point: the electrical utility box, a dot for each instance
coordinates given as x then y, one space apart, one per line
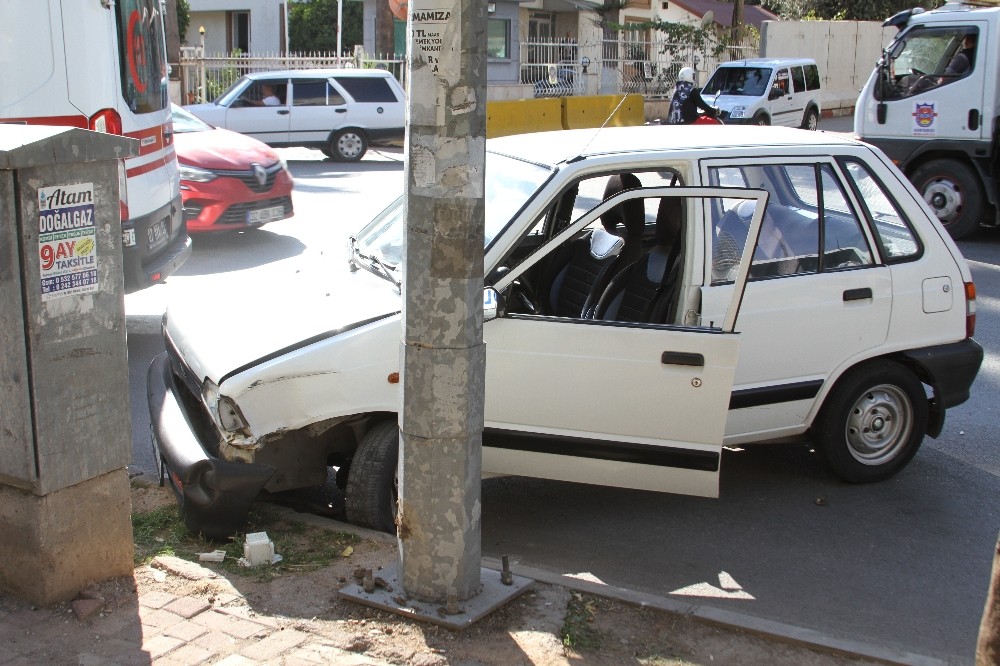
65 432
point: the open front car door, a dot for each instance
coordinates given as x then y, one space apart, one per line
633 393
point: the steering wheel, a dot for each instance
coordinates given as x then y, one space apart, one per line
521 290
918 72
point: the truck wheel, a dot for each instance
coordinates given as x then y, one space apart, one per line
371 494
349 145
951 189
873 422
811 120
760 119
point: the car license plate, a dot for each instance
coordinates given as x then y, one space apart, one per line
157 232
265 215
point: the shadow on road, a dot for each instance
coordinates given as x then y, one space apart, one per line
244 249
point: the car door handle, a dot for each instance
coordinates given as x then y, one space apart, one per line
858 294
282 112
683 358
340 110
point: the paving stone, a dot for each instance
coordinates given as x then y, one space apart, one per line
213 620
186 631
236 660
160 645
84 609
156 599
158 618
275 644
187 607
189 655
182 568
219 642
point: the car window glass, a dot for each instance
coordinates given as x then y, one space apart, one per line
798 80
310 92
781 81
800 211
263 93
367 88
745 81
895 236
812 77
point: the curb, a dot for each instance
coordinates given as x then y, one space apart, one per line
768 629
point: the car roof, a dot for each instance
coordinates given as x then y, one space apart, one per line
773 62
319 73
551 148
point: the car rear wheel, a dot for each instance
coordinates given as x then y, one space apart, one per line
811 120
951 189
372 483
349 145
873 422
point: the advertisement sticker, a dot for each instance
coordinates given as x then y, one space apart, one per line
67 240
924 119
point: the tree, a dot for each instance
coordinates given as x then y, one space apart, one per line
312 26
843 10
183 18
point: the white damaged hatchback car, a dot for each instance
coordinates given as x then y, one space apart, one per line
662 293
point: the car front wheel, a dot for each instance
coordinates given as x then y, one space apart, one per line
873 422
760 119
371 494
349 145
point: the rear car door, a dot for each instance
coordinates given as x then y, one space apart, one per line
784 109
630 404
820 307
376 104
318 108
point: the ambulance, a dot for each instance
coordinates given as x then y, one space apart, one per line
101 65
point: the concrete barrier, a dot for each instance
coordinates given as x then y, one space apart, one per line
522 116
582 112
556 113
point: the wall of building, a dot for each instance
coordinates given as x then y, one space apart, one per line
265 24
844 51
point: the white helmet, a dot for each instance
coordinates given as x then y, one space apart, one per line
686 74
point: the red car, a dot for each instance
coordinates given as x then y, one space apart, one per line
228 180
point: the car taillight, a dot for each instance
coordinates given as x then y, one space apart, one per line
107 121
970 309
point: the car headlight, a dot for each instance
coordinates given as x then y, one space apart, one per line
223 410
737 112
194 174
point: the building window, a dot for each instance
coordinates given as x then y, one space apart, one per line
498 38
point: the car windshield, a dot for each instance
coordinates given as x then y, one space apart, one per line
745 81
185 121
510 184
231 93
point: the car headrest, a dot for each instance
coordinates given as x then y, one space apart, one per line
669 220
629 214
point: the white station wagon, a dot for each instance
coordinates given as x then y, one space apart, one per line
656 294
339 111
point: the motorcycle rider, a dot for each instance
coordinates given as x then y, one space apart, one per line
687 104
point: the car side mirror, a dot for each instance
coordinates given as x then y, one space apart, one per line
775 93
491 304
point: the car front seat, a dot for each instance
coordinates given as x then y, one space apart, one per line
580 270
645 291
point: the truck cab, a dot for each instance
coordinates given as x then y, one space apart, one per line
931 104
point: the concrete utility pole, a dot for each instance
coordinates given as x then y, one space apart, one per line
443 355
988 646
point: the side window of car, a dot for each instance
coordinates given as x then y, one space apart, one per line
812 77
316 92
367 88
807 203
263 93
798 80
895 236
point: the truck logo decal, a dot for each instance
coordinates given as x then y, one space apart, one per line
924 119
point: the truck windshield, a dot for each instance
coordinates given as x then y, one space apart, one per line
744 81
510 184
142 53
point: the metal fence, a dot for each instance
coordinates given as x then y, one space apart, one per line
552 68
205 77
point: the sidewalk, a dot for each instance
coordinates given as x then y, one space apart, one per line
174 611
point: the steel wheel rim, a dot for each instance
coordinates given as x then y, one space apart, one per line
945 199
349 145
879 424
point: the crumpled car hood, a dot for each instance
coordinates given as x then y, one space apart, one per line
229 329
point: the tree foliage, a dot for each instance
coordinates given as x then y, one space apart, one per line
843 10
183 18
312 26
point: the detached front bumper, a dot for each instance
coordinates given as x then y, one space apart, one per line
214 494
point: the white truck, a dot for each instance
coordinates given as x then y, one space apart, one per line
932 106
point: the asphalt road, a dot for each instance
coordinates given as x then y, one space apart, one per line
903 563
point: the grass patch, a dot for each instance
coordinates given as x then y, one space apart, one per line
577 630
302 547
